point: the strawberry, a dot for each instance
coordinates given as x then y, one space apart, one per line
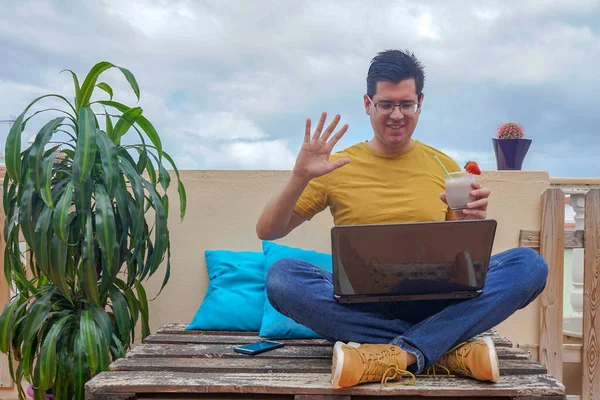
472 168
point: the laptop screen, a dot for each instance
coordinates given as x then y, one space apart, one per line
413 258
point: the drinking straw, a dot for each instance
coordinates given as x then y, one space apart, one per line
444 168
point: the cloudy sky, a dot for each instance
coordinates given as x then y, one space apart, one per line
228 84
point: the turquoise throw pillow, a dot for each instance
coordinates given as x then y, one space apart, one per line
235 297
274 324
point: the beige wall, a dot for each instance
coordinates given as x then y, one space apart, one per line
223 207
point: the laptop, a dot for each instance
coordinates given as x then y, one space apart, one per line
411 261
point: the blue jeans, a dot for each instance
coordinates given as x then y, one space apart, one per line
427 328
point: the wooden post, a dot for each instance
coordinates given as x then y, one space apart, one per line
5 380
552 243
591 297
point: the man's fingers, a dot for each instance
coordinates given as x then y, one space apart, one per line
331 127
307 131
317 134
338 135
475 214
443 197
481 193
478 204
339 163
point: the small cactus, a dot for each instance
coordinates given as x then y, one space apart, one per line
510 130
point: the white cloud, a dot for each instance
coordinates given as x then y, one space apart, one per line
223 76
217 126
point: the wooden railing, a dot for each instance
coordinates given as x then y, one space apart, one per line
551 240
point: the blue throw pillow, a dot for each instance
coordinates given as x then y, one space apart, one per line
274 324
235 297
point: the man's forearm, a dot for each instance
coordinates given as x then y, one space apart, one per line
277 214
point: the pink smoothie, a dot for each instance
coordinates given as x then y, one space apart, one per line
458 189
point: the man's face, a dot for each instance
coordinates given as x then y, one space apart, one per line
393 132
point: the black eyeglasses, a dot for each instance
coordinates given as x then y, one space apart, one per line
386 107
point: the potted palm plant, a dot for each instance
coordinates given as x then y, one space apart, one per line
510 146
93 213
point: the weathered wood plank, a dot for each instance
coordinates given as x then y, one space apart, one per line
305 383
215 396
268 365
226 351
591 297
181 328
552 249
111 396
177 338
200 335
531 238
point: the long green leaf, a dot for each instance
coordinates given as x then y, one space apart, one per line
46 189
7 320
89 280
41 243
143 300
160 233
87 88
103 351
104 86
168 269
58 266
26 211
75 82
180 187
89 338
127 119
80 368
110 162
60 220
146 126
85 152
106 234
12 152
48 357
132 81
121 313
37 151
102 321
38 314
109 125
60 390
163 177
83 199
142 160
118 350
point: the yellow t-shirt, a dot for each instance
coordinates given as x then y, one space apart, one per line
376 188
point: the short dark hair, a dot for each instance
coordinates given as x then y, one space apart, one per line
395 66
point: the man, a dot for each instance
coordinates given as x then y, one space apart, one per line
390 179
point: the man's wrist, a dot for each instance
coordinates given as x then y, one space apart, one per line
299 179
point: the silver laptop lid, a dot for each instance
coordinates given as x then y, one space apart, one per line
411 258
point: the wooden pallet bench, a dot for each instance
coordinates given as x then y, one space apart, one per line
179 364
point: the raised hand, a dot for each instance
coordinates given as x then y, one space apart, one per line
313 158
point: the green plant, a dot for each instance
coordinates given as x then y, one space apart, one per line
510 130
94 218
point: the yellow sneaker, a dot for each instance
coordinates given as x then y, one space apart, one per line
355 363
476 359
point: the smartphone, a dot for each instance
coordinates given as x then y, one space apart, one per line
257 347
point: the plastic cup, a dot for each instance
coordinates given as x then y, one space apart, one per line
458 189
